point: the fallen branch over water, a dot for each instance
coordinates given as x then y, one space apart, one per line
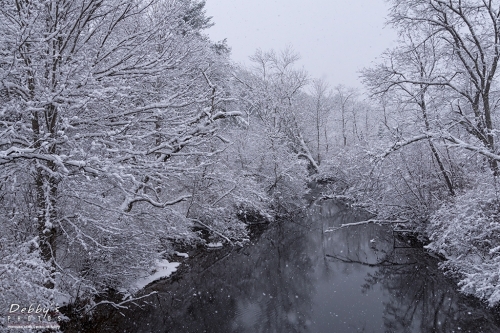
120 305
380 222
214 231
384 262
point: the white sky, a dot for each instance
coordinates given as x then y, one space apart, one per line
335 38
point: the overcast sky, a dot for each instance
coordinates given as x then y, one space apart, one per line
335 38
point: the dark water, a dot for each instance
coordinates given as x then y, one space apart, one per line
296 278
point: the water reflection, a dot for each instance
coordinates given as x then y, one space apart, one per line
421 299
297 278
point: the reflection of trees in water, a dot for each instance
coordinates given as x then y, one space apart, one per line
264 288
367 243
282 273
421 299
269 286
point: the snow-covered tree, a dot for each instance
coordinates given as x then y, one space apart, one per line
464 35
273 94
108 107
275 149
439 88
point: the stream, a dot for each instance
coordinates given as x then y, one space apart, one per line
297 278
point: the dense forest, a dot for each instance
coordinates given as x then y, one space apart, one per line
125 130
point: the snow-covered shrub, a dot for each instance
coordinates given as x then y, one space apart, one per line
467 232
404 185
23 275
271 176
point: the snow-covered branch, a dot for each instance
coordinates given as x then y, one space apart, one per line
129 202
371 221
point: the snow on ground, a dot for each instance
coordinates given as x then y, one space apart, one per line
163 269
214 245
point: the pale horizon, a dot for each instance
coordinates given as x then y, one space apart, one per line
335 39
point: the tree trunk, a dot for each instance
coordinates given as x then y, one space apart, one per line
46 193
423 107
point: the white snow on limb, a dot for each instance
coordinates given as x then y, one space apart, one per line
267 216
214 231
180 254
306 153
374 221
129 201
405 142
451 141
62 299
226 114
163 269
214 245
